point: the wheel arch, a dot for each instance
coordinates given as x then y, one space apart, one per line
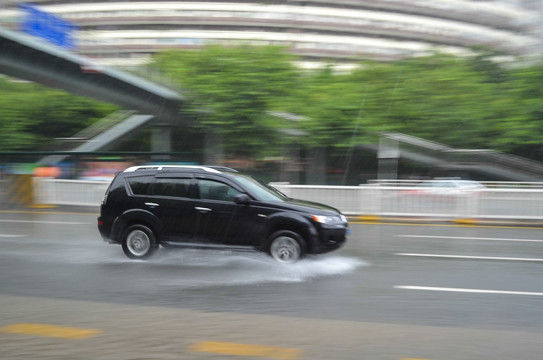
133 217
291 222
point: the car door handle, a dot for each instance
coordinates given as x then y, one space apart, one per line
203 209
150 204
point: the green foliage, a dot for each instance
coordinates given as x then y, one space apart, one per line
230 89
439 98
470 102
32 115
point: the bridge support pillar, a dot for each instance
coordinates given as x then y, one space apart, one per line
161 141
316 167
213 148
388 157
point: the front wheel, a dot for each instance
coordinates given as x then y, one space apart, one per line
139 242
286 246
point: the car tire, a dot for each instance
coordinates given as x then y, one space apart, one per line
139 242
286 246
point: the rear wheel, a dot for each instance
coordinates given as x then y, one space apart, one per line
139 242
286 246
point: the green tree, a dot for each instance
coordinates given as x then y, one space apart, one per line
32 115
230 89
439 97
520 128
471 102
463 102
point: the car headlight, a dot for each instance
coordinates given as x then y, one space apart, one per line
330 220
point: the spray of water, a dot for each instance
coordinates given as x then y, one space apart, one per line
223 268
198 268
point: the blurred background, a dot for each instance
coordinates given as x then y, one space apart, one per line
305 92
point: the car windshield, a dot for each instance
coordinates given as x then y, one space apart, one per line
260 190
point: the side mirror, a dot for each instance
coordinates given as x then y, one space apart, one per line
242 199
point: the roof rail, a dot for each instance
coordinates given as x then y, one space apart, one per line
221 168
212 169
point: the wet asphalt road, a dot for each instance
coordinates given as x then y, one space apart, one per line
429 291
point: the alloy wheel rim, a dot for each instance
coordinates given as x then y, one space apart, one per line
138 242
285 249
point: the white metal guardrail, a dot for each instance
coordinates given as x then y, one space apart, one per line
69 192
521 203
413 201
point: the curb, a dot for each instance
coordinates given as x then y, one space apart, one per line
42 206
454 221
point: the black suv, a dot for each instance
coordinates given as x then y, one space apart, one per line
213 207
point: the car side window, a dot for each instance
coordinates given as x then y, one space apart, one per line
139 184
176 187
216 190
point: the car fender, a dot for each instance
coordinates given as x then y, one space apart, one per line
294 222
133 216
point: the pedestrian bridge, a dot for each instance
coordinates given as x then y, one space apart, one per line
25 57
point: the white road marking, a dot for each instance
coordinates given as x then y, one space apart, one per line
475 291
469 257
46 222
468 238
11 236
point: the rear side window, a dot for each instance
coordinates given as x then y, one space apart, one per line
176 187
214 190
140 184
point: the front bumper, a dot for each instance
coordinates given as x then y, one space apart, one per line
331 239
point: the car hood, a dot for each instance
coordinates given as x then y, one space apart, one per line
309 207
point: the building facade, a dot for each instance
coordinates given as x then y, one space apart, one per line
128 33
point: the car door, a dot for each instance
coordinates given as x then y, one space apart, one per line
248 224
215 209
172 201
221 220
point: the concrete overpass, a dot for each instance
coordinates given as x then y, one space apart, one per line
25 57
447 161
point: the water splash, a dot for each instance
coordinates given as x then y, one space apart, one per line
190 268
223 269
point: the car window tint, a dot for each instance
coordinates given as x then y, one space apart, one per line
172 187
215 190
260 190
139 184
